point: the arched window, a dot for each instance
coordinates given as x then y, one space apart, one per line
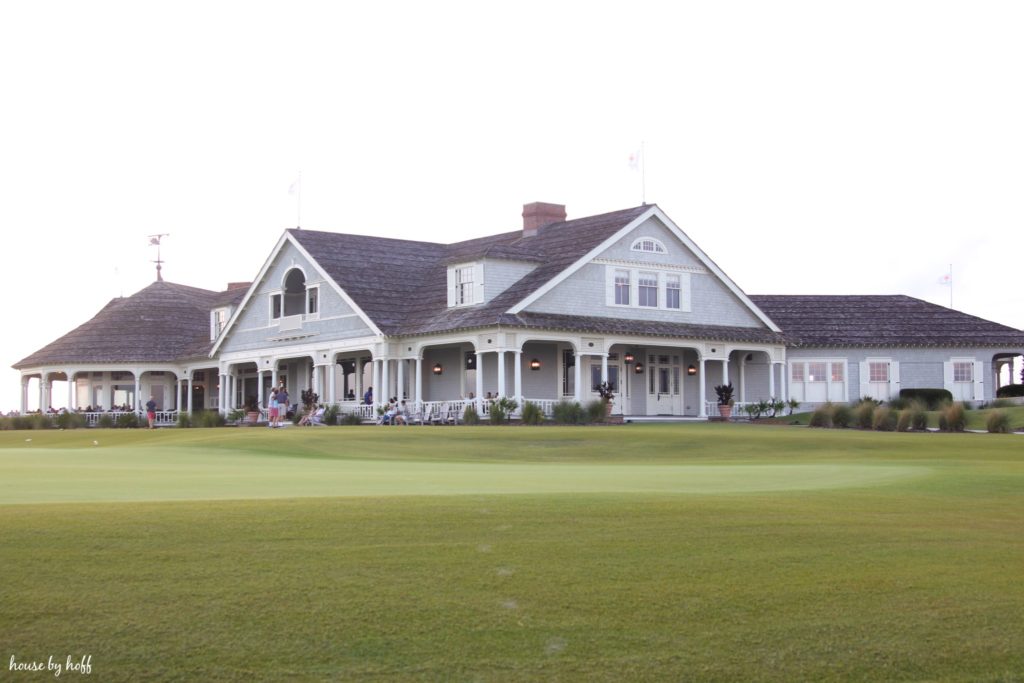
650 245
294 292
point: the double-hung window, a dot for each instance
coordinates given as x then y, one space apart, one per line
648 289
878 372
622 287
672 291
464 285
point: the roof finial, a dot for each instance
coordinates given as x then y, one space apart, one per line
154 240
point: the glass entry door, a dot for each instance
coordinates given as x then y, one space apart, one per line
664 389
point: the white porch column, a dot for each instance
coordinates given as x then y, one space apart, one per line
189 390
385 380
138 389
501 373
24 395
783 393
517 378
359 378
725 370
577 375
604 367
479 389
70 374
44 392
419 381
332 382
401 379
259 389
221 382
771 379
703 389
743 378
377 393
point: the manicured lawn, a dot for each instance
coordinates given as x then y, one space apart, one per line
656 552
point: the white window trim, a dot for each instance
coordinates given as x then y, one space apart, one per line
270 307
319 303
829 382
685 289
477 284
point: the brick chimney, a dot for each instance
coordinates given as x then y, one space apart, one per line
539 214
238 285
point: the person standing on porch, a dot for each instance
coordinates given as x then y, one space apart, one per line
272 408
282 403
151 412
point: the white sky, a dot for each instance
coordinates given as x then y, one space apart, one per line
808 147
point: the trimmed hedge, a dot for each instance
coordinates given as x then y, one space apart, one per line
1010 391
933 398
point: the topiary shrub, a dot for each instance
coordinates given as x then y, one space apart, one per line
933 398
999 422
884 420
1011 390
842 416
822 417
532 414
127 421
567 413
470 416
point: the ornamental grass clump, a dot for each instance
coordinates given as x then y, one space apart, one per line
350 419
953 418
532 414
842 416
822 416
567 413
905 421
999 422
918 416
884 420
470 416
864 414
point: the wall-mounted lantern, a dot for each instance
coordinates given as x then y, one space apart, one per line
438 369
691 370
535 364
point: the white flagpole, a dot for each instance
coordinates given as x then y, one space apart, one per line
298 210
951 285
643 174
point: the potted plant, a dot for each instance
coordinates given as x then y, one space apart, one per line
725 400
607 394
252 409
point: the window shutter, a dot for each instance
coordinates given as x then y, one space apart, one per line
609 285
865 386
947 377
894 378
478 283
451 287
979 381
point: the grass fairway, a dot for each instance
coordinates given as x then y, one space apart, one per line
656 552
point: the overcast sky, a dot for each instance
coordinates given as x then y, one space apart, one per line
807 147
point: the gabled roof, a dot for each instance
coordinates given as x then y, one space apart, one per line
164 322
401 284
875 321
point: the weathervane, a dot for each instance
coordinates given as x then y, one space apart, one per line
154 240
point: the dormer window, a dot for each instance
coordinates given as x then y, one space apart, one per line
649 245
465 284
218 321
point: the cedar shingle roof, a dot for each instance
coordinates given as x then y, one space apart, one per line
162 323
401 284
875 321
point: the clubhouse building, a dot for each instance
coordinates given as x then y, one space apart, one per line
541 314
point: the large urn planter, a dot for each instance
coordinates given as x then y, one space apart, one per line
725 411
